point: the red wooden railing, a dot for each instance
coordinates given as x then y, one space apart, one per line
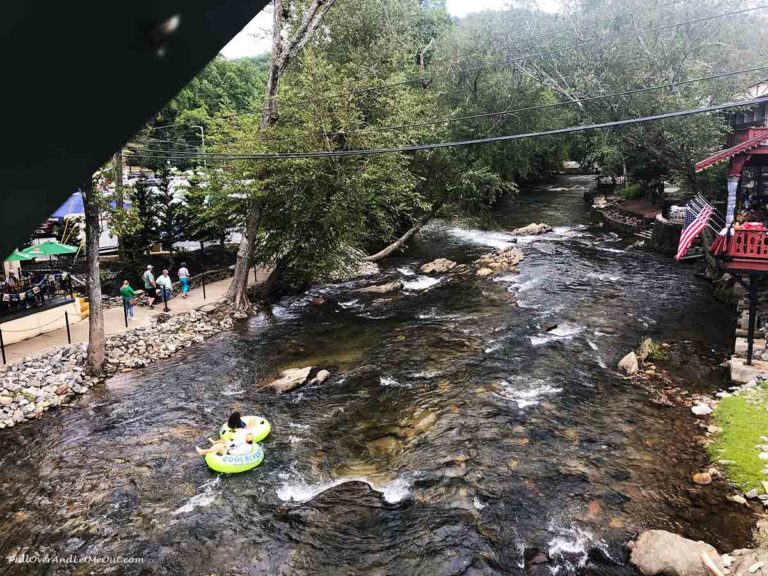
748 244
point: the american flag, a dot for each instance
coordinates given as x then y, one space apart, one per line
695 221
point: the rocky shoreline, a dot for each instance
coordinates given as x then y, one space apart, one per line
52 378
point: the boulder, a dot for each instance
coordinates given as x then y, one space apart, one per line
512 256
644 349
628 365
661 552
290 379
439 266
532 229
320 377
702 478
701 409
382 288
483 272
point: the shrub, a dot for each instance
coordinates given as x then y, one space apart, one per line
630 192
656 351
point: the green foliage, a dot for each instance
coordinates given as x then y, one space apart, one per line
656 351
630 192
137 227
744 420
207 212
170 211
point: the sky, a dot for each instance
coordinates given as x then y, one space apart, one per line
255 37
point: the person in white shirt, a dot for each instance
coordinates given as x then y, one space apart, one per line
184 279
166 285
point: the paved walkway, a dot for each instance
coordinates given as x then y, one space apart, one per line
114 321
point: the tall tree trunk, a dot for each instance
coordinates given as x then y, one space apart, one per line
400 242
238 288
96 339
283 53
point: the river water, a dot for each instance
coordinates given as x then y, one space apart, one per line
455 436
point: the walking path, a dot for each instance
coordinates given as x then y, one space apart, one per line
114 320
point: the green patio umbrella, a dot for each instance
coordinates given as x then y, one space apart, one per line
49 248
17 256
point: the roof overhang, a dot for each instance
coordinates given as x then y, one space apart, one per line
757 137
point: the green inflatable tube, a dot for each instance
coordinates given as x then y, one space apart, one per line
256 426
234 464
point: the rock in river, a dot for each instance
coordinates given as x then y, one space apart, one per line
439 266
320 377
290 379
382 288
661 552
532 229
628 365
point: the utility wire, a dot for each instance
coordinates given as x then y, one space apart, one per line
447 120
556 104
489 139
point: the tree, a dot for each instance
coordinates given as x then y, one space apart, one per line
144 208
96 339
284 52
207 215
170 211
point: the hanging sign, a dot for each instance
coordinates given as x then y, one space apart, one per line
733 184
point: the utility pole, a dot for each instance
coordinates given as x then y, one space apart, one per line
119 196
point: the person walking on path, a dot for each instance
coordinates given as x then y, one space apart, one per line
184 279
166 285
128 297
150 286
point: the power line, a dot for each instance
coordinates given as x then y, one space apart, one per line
446 120
489 139
556 104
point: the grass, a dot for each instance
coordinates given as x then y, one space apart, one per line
630 192
743 419
657 352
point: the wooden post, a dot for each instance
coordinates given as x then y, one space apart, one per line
2 347
202 264
752 316
66 321
125 311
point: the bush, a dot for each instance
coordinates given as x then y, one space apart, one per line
630 192
657 352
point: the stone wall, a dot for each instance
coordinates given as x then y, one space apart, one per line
619 221
665 236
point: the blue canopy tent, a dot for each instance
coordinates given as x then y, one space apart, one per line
74 206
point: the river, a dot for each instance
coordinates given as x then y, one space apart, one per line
455 436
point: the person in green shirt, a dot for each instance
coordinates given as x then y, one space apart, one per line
128 297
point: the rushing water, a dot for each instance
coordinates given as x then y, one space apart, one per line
455 434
